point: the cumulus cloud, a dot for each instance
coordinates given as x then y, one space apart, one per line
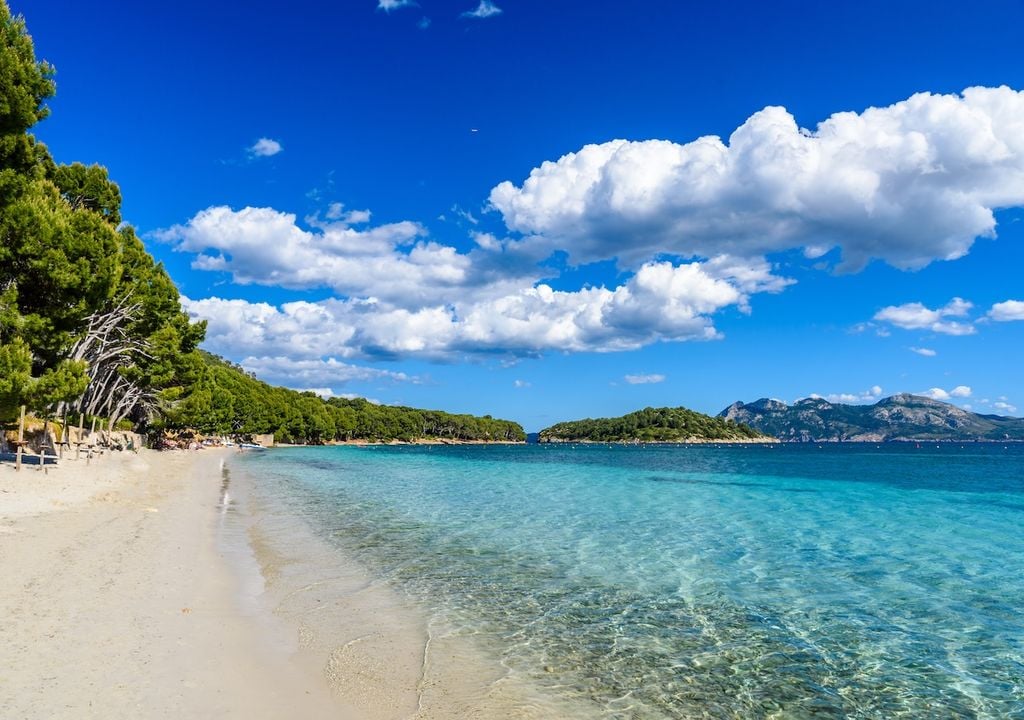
936 393
266 247
908 184
325 393
485 9
317 371
521 384
1007 311
644 379
1004 406
871 395
694 227
661 301
915 316
265 147
399 293
927 352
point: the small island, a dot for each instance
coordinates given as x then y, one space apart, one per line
654 425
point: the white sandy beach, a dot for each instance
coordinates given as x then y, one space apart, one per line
116 603
131 589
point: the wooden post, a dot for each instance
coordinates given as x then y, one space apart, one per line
42 446
81 420
21 438
65 435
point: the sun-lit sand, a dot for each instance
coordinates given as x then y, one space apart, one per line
116 602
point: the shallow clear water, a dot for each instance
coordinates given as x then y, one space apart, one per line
782 581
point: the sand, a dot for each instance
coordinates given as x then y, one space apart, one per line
116 601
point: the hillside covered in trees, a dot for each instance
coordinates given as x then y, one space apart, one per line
91 325
653 425
227 400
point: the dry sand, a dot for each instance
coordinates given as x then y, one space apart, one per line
116 603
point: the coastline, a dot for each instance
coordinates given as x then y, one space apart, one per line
158 585
381 653
389 443
767 440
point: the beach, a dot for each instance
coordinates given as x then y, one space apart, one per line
149 586
381 583
117 601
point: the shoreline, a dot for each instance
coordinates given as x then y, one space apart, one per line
390 443
640 443
159 585
382 653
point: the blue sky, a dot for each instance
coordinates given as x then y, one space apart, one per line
551 210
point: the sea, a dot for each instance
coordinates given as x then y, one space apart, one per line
743 581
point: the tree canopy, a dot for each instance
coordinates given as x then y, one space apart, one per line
226 400
666 424
87 318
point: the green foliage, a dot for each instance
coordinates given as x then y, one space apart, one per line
15 376
89 188
25 85
650 425
64 259
226 400
62 383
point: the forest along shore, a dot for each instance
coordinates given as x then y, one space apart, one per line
117 601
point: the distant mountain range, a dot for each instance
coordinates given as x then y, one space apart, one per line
900 417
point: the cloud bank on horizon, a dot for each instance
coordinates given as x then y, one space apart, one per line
693 227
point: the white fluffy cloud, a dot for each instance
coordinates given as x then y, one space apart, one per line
1004 406
265 147
661 301
936 393
1007 311
485 9
389 5
915 316
317 372
927 352
262 246
872 394
693 227
644 379
398 293
909 183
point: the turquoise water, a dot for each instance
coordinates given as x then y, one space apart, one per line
784 581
